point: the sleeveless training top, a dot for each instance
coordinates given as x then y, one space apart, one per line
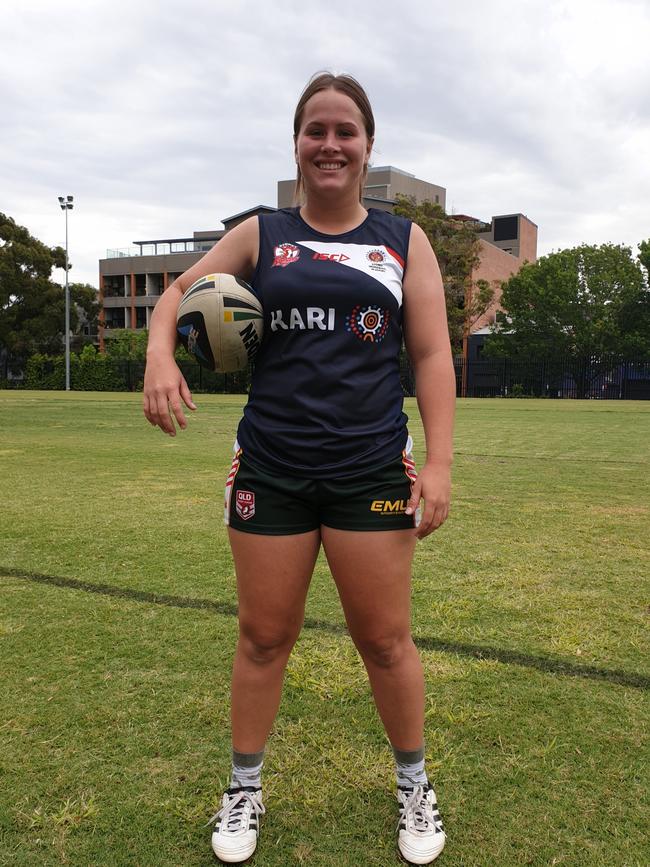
326 398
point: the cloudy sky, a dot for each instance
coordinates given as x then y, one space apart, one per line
164 117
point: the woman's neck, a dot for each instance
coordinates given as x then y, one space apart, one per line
334 217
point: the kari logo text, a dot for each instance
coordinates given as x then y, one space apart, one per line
245 504
303 319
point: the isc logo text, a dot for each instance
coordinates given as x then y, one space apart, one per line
331 257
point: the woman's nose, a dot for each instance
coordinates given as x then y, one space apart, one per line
329 142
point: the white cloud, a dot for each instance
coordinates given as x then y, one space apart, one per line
164 118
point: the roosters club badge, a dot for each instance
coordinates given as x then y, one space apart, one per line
285 254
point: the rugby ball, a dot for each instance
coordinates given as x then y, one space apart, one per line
220 322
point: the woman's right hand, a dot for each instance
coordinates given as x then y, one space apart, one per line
164 388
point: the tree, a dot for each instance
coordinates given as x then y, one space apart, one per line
32 306
644 256
457 249
127 345
586 302
84 313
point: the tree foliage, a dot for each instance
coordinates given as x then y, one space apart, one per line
32 305
576 303
457 249
644 256
126 345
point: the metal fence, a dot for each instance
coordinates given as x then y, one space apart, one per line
589 378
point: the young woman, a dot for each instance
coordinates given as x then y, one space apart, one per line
323 447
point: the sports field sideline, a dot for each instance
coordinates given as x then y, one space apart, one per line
117 627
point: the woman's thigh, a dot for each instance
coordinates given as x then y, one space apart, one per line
273 576
372 571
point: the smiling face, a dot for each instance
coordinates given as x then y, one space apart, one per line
332 147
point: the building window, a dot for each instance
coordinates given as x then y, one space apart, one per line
505 228
114 286
114 318
156 284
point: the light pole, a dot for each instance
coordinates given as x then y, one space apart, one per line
66 205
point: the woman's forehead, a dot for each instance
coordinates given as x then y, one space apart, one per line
330 105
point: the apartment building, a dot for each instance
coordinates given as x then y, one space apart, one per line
132 280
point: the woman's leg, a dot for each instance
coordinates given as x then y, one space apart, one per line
372 571
273 575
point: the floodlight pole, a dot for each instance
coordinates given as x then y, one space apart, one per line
67 205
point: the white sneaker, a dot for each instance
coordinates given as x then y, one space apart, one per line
421 837
237 824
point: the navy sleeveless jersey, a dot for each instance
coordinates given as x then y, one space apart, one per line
326 398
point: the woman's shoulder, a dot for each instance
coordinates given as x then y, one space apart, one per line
389 229
280 215
387 218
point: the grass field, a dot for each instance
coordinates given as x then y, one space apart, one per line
117 627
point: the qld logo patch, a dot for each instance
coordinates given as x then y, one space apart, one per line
368 323
245 504
284 255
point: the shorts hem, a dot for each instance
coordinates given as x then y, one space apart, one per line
261 530
366 528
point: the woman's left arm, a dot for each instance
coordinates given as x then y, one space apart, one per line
427 343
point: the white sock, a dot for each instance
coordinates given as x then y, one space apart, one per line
246 770
409 768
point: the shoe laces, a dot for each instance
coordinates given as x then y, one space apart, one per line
235 812
416 811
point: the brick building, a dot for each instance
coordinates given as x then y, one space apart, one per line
132 280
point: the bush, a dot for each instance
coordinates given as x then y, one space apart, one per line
93 371
89 371
45 372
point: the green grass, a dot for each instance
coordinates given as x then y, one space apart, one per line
117 629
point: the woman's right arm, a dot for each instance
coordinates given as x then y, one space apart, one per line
165 389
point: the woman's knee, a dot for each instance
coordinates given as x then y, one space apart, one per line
264 645
385 650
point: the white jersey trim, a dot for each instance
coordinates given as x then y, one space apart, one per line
376 260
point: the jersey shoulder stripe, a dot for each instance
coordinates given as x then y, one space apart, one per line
375 260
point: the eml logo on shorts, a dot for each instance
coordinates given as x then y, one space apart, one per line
245 504
388 506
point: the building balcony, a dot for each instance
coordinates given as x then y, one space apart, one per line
128 301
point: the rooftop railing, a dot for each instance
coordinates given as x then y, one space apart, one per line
160 248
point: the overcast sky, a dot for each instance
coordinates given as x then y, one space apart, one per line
164 117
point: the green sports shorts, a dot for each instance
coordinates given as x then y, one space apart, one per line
272 504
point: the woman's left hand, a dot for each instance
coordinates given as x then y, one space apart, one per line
433 485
